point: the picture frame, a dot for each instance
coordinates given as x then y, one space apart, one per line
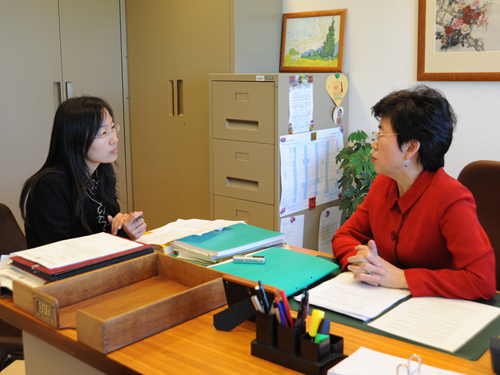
313 41
456 41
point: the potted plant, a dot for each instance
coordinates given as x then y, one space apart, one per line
358 171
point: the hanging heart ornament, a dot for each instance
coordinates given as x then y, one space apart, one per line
336 86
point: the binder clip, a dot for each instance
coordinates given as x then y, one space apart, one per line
409 370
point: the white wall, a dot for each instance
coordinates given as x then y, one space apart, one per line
381 56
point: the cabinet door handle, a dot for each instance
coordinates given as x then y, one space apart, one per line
56 89
172 98
69 90
180 97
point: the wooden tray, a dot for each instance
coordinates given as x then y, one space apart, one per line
118 305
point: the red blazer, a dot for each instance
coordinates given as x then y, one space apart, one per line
432 232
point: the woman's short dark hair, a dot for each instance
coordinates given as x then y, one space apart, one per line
76 123
423 114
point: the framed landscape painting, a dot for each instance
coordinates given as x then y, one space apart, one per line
313 41
458 40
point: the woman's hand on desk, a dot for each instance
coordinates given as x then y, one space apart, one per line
369 267
133 224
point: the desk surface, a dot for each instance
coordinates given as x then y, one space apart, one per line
196 347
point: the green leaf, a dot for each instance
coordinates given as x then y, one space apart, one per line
359 168
345 203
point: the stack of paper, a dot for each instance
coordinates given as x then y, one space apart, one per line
347 296
74 256
236 239
439 322
8 274
365 361
183 228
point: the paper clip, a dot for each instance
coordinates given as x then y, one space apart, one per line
409 371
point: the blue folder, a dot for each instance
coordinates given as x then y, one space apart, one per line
287 270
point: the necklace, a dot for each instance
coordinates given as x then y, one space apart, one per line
101 210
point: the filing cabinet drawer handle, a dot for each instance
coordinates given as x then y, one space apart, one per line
239 183
247 125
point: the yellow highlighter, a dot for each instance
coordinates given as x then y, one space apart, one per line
316 318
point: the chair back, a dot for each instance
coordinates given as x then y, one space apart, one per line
12 237
482 178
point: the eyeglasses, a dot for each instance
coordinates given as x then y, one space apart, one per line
377 135
105 133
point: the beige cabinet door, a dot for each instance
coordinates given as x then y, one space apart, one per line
30 62
153 109
170 55
202 46
92 62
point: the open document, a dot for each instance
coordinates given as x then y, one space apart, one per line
365 361
183 228
439 322
347 296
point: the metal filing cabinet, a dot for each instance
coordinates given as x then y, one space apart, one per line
248 113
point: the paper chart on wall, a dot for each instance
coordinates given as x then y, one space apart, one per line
300 96
308 169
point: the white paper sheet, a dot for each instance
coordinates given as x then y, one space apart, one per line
293 228
365 361
9 273
308 169
347 296
183 228
76 250
439 322
329 222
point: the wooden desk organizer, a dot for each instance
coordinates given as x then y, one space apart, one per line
115 306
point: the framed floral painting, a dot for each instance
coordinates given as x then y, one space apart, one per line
313 41
458 40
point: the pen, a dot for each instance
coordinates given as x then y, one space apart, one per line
138 218
286 307
303 308
260 296
317 316
256 304
282 315
264 297
277 312
323 331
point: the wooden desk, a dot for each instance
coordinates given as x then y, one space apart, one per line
196 347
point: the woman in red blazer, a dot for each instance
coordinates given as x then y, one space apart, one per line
417 228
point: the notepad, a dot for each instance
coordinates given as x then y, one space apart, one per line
347 296
236 239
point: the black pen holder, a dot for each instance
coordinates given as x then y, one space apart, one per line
291 347
266 327
289 338
317 352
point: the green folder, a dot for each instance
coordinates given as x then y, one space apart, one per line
284 269
234 239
